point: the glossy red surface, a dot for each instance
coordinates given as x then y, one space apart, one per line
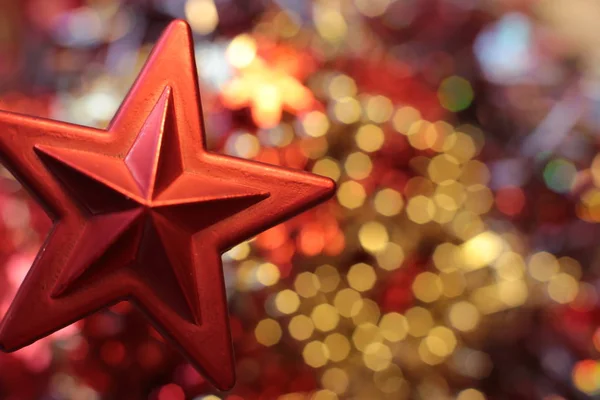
142 212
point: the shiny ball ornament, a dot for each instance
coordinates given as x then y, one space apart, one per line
142 212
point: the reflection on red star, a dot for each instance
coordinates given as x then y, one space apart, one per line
142 212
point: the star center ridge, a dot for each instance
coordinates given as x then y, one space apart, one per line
142 210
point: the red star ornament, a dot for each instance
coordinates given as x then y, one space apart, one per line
142 212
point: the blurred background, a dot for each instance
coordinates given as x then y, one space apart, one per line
458 259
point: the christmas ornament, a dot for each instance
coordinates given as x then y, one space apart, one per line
141 212
269 83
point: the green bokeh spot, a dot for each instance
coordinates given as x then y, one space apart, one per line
560 175
455 93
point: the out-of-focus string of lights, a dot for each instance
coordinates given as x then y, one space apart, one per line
457 259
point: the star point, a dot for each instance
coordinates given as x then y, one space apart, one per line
157 137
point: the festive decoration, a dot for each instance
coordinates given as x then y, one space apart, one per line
267 89
142 211
457 259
